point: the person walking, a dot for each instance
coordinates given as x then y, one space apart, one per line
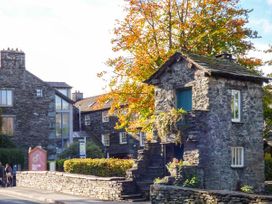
1 174
9 176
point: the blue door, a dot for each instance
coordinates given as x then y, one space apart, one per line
184 99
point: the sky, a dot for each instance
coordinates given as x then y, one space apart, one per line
69 40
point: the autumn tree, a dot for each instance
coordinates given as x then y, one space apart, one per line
153 30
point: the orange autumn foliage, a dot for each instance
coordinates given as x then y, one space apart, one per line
153 30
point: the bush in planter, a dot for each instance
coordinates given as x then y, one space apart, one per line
59 164
5 142
98 167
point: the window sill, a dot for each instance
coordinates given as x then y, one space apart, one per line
237 167
237 122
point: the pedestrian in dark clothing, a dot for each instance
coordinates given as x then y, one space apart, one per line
9 176
1 174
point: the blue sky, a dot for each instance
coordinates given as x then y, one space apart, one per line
69 40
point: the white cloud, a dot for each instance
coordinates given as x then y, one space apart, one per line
64 40
264 24
269 2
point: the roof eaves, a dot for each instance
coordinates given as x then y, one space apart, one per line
64 97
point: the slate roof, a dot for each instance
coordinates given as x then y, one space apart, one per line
212 66
58 84
91 104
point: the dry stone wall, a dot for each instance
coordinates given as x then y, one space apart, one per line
173 194
90 186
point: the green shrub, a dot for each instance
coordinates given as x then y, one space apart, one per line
268 166
5 142
92 151
161 180
11 156
60 164
191 182
247 189
98 167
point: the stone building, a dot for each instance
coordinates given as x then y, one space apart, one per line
223 127
100 128
33 111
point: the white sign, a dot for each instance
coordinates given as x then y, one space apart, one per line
82 148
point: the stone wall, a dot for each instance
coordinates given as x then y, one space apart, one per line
208 131
90 186
173 194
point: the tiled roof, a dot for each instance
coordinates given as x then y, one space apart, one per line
213 66
91 104
59 84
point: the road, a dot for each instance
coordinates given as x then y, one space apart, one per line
4 199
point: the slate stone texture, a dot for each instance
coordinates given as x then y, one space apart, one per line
210 132
34 117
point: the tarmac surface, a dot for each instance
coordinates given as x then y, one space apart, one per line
20 195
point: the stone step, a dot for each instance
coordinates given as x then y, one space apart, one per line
138 197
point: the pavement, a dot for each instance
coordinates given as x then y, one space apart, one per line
42 196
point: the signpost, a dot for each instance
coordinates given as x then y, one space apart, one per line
82 147
37 159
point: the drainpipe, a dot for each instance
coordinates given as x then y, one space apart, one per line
79 118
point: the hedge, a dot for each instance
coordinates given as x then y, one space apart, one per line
59 164
11 156
268 167
98 167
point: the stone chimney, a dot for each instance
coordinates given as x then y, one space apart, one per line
12 59
226 56
76 96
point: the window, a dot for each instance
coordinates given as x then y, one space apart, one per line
62 125
105 117
105 139
235 106
39 92
184 99
64 92
61 104
142 139
237 157
6 97
123 138
87 120
7 125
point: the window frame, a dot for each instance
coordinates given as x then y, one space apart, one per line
237 157
105 116
123 138
13 124
142 137
233 98
105 141
177 90
87 120
39 92
6 105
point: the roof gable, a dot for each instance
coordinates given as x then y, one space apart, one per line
212 66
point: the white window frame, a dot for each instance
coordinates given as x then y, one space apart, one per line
237 157
142 139
6 104
236 104
105 139
105 117
12 131
87 120
122 137
39 92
